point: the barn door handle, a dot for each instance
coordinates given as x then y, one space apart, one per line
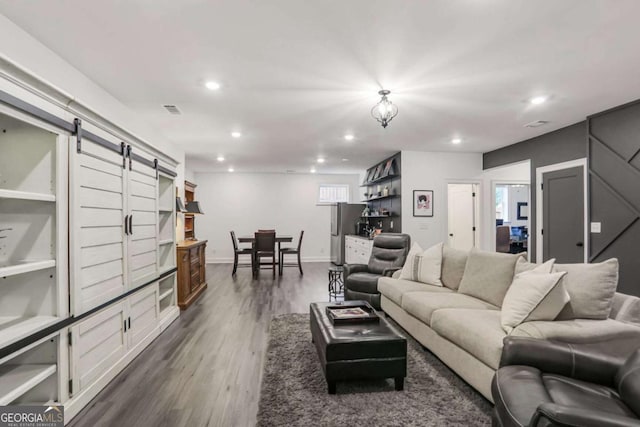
579 244
126 224
131 224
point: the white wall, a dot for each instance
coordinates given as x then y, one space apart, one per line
433 171
517 194
517 173
247 202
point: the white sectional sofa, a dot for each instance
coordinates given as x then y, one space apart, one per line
462 326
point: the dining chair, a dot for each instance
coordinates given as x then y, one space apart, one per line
237 251
292 251
264 247
503 238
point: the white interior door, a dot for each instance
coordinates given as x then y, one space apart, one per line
462 216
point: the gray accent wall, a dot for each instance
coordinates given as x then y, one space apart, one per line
554 147
614 182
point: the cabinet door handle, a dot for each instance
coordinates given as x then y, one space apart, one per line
131 224
125 325
126 224
129 321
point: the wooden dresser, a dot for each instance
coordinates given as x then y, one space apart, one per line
191 271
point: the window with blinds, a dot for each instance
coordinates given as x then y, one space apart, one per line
333 193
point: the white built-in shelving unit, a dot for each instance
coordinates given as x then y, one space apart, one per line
33 215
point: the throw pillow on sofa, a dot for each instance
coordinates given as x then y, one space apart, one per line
523 265
591 288
423 266
453 264
536 294
488 275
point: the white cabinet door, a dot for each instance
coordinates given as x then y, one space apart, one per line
97 344
349 250
142 320
98 201
143 233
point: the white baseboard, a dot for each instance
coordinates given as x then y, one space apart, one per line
304 259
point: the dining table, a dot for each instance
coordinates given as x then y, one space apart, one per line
280 238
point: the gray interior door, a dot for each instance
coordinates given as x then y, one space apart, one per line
563 215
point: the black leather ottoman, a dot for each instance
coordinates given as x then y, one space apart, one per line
357 351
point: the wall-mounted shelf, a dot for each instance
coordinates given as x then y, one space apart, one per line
373 199
379 180
166 242
165 210
26 195
19 379
11 269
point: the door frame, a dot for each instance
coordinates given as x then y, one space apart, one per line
540 201
493 232
477 208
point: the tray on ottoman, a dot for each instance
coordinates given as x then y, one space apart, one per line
357 351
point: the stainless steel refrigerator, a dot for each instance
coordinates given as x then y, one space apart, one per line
344 217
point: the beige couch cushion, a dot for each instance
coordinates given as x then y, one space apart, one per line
536 294
423 265
453 263
422 305
478 332
625 308
591 288
488 275
577 330
395 288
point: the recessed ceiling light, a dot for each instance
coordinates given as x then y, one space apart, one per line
231 169
321 160
345 160
312 170
211 85
456 140
537 100
236 134
349 137
220 158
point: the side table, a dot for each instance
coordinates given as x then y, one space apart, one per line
336 285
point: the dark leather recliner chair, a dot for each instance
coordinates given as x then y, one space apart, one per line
388 255
544 383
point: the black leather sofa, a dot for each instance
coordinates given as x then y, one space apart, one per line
544 383
387 256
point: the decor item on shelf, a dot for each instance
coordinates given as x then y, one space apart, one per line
365 212
379 192
194 208
388 168
384 111
378 172
180 206
422 202
385 191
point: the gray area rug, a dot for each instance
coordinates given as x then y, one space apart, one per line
294 391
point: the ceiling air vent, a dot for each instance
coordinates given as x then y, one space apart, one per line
536 124
290 171
172 109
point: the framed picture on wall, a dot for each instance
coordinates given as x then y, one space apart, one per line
422 202
523 210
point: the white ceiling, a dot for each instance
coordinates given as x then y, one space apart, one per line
298 75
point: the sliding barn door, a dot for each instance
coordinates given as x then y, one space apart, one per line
98 206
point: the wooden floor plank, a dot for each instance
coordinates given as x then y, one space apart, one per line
206 368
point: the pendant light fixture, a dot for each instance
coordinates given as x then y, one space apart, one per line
384 111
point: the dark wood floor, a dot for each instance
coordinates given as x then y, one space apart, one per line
206 368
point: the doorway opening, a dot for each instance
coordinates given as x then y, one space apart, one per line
511 230
462 215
